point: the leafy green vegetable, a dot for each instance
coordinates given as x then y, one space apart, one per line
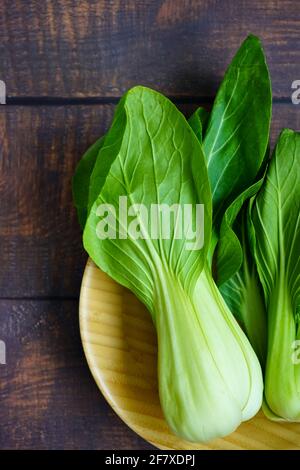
152 167
198 122
81 180
209 377
236 139
152 156
276 243
232 236
236 147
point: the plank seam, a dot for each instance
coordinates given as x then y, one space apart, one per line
40 298
95 100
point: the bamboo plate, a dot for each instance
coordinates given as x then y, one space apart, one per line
120 345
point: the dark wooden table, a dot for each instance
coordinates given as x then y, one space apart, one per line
65 64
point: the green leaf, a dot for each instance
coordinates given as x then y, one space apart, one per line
92 169
229 252
238 130
86 175
162 150
110 148
81 180
275 220
198 122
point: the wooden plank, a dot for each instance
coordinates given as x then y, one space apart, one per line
40 239
47 394
40 242
101 48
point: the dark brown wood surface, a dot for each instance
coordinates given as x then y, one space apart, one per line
48 399
100 48
65 64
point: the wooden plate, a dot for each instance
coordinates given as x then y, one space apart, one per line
119 341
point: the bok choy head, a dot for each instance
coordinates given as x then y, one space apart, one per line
275 218
152 163
235 140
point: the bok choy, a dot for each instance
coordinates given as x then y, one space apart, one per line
209 376
226 261
275 219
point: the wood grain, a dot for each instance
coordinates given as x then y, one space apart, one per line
101 47
40 241
120 345
47 396
65 51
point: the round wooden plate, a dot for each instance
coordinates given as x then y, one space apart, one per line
119 341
